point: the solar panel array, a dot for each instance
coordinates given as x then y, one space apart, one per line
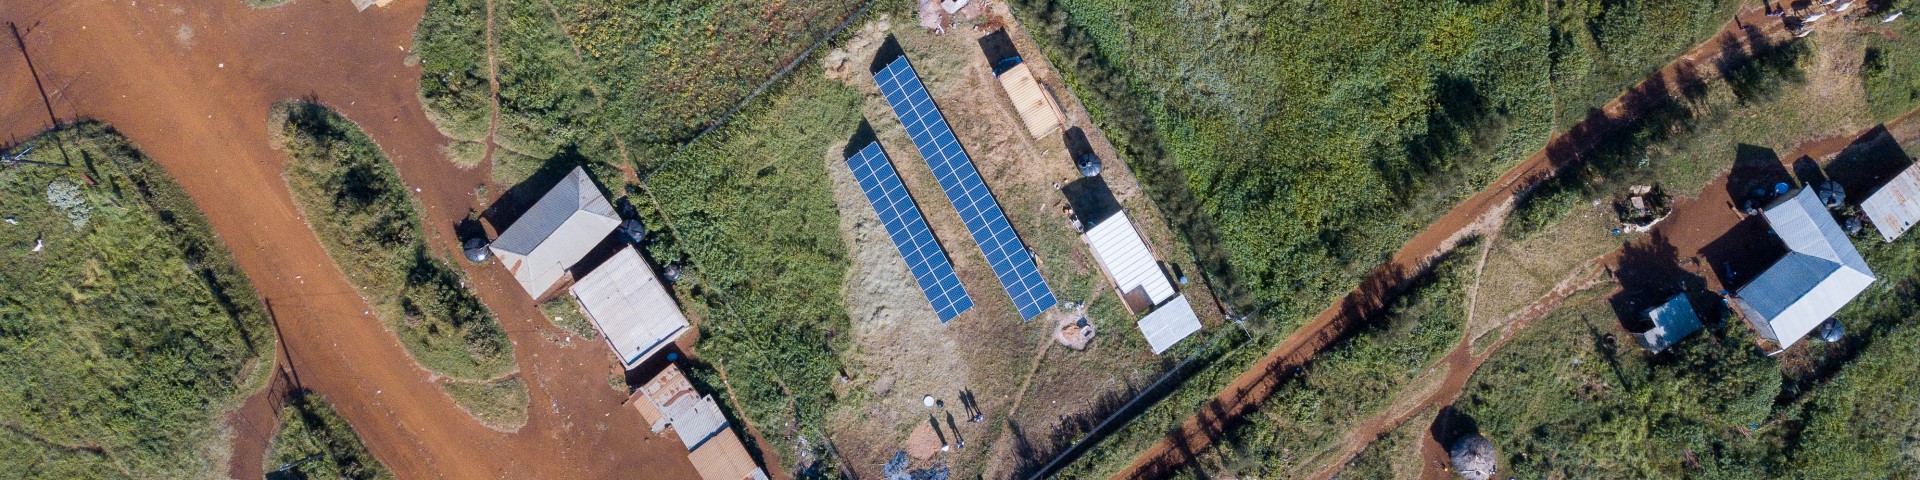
909 231
1009 257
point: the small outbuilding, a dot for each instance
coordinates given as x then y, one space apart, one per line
1123 255
1821 273
1038 109
1895 207
1169 324
361 5
1672 321
669 401
1472 457
557 232
630 306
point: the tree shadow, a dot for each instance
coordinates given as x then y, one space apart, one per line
1756 172
1650 272
1450 425
1743 252
1756 66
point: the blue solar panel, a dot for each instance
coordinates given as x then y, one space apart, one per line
1011 261
909 231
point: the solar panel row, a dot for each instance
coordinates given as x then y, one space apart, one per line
909 231
1011 261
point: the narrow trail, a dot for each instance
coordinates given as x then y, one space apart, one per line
1182 445
493 83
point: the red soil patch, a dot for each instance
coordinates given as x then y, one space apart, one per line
199 108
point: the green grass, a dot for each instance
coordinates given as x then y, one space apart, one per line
664 70
1891 69
363 215
500 404
127 337
1304 420
776 323
1296 146
314 442
1394 455
566 313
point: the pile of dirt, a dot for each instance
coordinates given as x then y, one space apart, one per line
1073 330
923 442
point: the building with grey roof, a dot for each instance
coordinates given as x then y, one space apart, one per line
557 232
1820 273
1672 321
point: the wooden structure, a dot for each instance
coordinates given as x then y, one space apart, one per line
669 401
1039 111
1895 207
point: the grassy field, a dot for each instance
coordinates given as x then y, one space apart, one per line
314 442
1394 455
500 404
1372 119
581 78
363 215
773 293
124 339
566 313
1891 68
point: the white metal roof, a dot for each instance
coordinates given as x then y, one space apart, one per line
1820 274
560 229
630 306
1896 206
1128 262
1169 324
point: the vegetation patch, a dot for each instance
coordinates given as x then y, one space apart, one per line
125 332
501 404
566 313
314 442
370 225
775 316
579 76
1891 69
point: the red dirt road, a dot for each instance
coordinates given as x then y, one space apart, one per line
1473 215
191 84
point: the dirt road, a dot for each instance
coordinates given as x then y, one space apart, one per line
1483 210
191 84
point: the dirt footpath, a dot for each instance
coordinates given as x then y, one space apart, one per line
1477 214
191 84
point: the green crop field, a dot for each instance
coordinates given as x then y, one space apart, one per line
370 225
314 442
131 331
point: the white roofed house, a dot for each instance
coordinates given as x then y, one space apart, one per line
559 230
626 301
1136 275
1821 272
1895 207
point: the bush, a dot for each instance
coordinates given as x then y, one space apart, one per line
128 335
369 224
314 442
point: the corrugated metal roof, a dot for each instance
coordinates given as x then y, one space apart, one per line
1036 106
724 458
631 307
1820 274
694 417
1128 261
556 232
1169 324
1896 206
1672 321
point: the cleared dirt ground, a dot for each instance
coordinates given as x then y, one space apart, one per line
1035 392
197 103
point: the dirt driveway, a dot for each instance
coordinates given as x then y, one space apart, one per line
191 83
